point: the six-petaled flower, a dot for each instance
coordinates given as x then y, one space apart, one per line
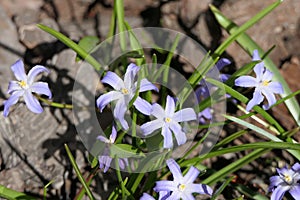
25 86
287 180
169 120
203 91
105 158
264 86
182 187
124 92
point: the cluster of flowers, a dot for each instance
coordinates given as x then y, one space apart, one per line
167 119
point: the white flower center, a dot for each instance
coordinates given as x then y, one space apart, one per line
124 91
265 83
288 179
23 84
168 119
181 187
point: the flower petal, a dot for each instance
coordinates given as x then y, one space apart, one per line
222 63
34 72
270 98
278 193
267 76
13 86
257 99
123 162
13 99
255 55
158 111
168 139
259 70
103 139
119 113
224 77
131 72
41 88
105 162
179 134
105 99
151 126
170 106
187 196
113 80
296 167
165 186
113 134
19 71
191 175
246 81
275 87
175 169
274 181
200 189
146 197
295 191
206 113
186 114
32 103
146 85
143 106
163 195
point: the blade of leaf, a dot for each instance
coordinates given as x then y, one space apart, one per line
12 194
88 43
64 39
79 175
249 45
261 132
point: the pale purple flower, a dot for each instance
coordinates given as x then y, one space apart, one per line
169 120
163 195
264 86
105 159
25 86
202 92
124 92
182 187
204 115
288 180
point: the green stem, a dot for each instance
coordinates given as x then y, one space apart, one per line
54 104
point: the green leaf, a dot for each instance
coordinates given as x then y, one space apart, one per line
79 175
221 188
13 195
242 28
244 99
263 133
68 42
125 151
249 45
249 193
88 43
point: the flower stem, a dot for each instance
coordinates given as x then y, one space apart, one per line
54 104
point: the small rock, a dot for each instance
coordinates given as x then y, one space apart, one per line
31 35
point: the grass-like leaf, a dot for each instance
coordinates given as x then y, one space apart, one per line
249 45
13 195
68 42
79 175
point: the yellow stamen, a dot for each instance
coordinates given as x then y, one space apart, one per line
288 178
168 119
22 83
181 187
124 91
265 83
